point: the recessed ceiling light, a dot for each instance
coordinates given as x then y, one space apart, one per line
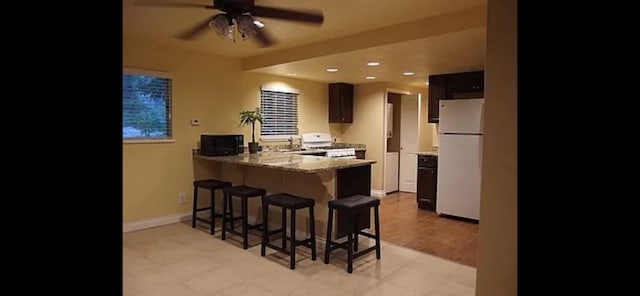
332 69
292 74
408 73
373 64
427 83
258 24
370 77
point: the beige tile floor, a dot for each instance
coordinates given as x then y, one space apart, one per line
176 259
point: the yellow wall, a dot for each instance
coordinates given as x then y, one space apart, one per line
154 174
497 271
213 89
313 102
369 107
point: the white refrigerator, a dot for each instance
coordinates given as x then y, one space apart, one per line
460 158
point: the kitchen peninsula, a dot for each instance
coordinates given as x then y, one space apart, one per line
316 177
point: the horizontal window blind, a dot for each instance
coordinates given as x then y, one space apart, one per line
146 106
280 113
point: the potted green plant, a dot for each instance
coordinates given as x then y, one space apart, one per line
250 118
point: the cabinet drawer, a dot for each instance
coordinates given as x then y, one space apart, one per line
427 161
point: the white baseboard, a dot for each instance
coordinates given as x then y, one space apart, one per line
378 193
186 216
153 222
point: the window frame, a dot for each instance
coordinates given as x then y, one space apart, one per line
280 138
161 74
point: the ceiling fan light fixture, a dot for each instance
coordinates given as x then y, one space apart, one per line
246 26
222 25
258 24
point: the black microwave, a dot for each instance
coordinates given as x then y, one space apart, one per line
219 145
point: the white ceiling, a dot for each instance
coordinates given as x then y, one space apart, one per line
344 21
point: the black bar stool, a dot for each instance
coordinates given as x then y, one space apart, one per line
352 205
212 185
244 192
293 203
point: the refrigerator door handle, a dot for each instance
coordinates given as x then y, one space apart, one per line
480 156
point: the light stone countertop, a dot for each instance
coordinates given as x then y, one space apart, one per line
313 151
432 153
289 161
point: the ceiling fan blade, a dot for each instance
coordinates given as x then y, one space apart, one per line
196 30
163 3
262 36
312 17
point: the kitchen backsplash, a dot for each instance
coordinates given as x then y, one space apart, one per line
297 146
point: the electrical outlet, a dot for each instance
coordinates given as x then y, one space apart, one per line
182 198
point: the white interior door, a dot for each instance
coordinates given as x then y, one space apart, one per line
408 142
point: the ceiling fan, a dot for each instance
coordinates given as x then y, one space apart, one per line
242 13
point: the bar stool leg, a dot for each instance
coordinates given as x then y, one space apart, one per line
355 231
293 243
231 213
284 228
265 228
245 233
327 249
312 224
213 211
262 205
350 243
224 217
195 206
377 225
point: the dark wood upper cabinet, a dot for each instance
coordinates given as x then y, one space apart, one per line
464 85
340 103
437 92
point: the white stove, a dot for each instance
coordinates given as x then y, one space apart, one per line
309 141
342 153
322 142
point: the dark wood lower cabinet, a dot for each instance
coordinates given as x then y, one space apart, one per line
353 181
427 182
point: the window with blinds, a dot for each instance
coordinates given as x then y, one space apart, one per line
146 105
279 110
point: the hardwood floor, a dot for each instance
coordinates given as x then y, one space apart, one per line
402 223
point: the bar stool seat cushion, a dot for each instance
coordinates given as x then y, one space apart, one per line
211 184
354 202
289 201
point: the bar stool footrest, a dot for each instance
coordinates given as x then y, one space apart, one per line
369 235
280 249
363 252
